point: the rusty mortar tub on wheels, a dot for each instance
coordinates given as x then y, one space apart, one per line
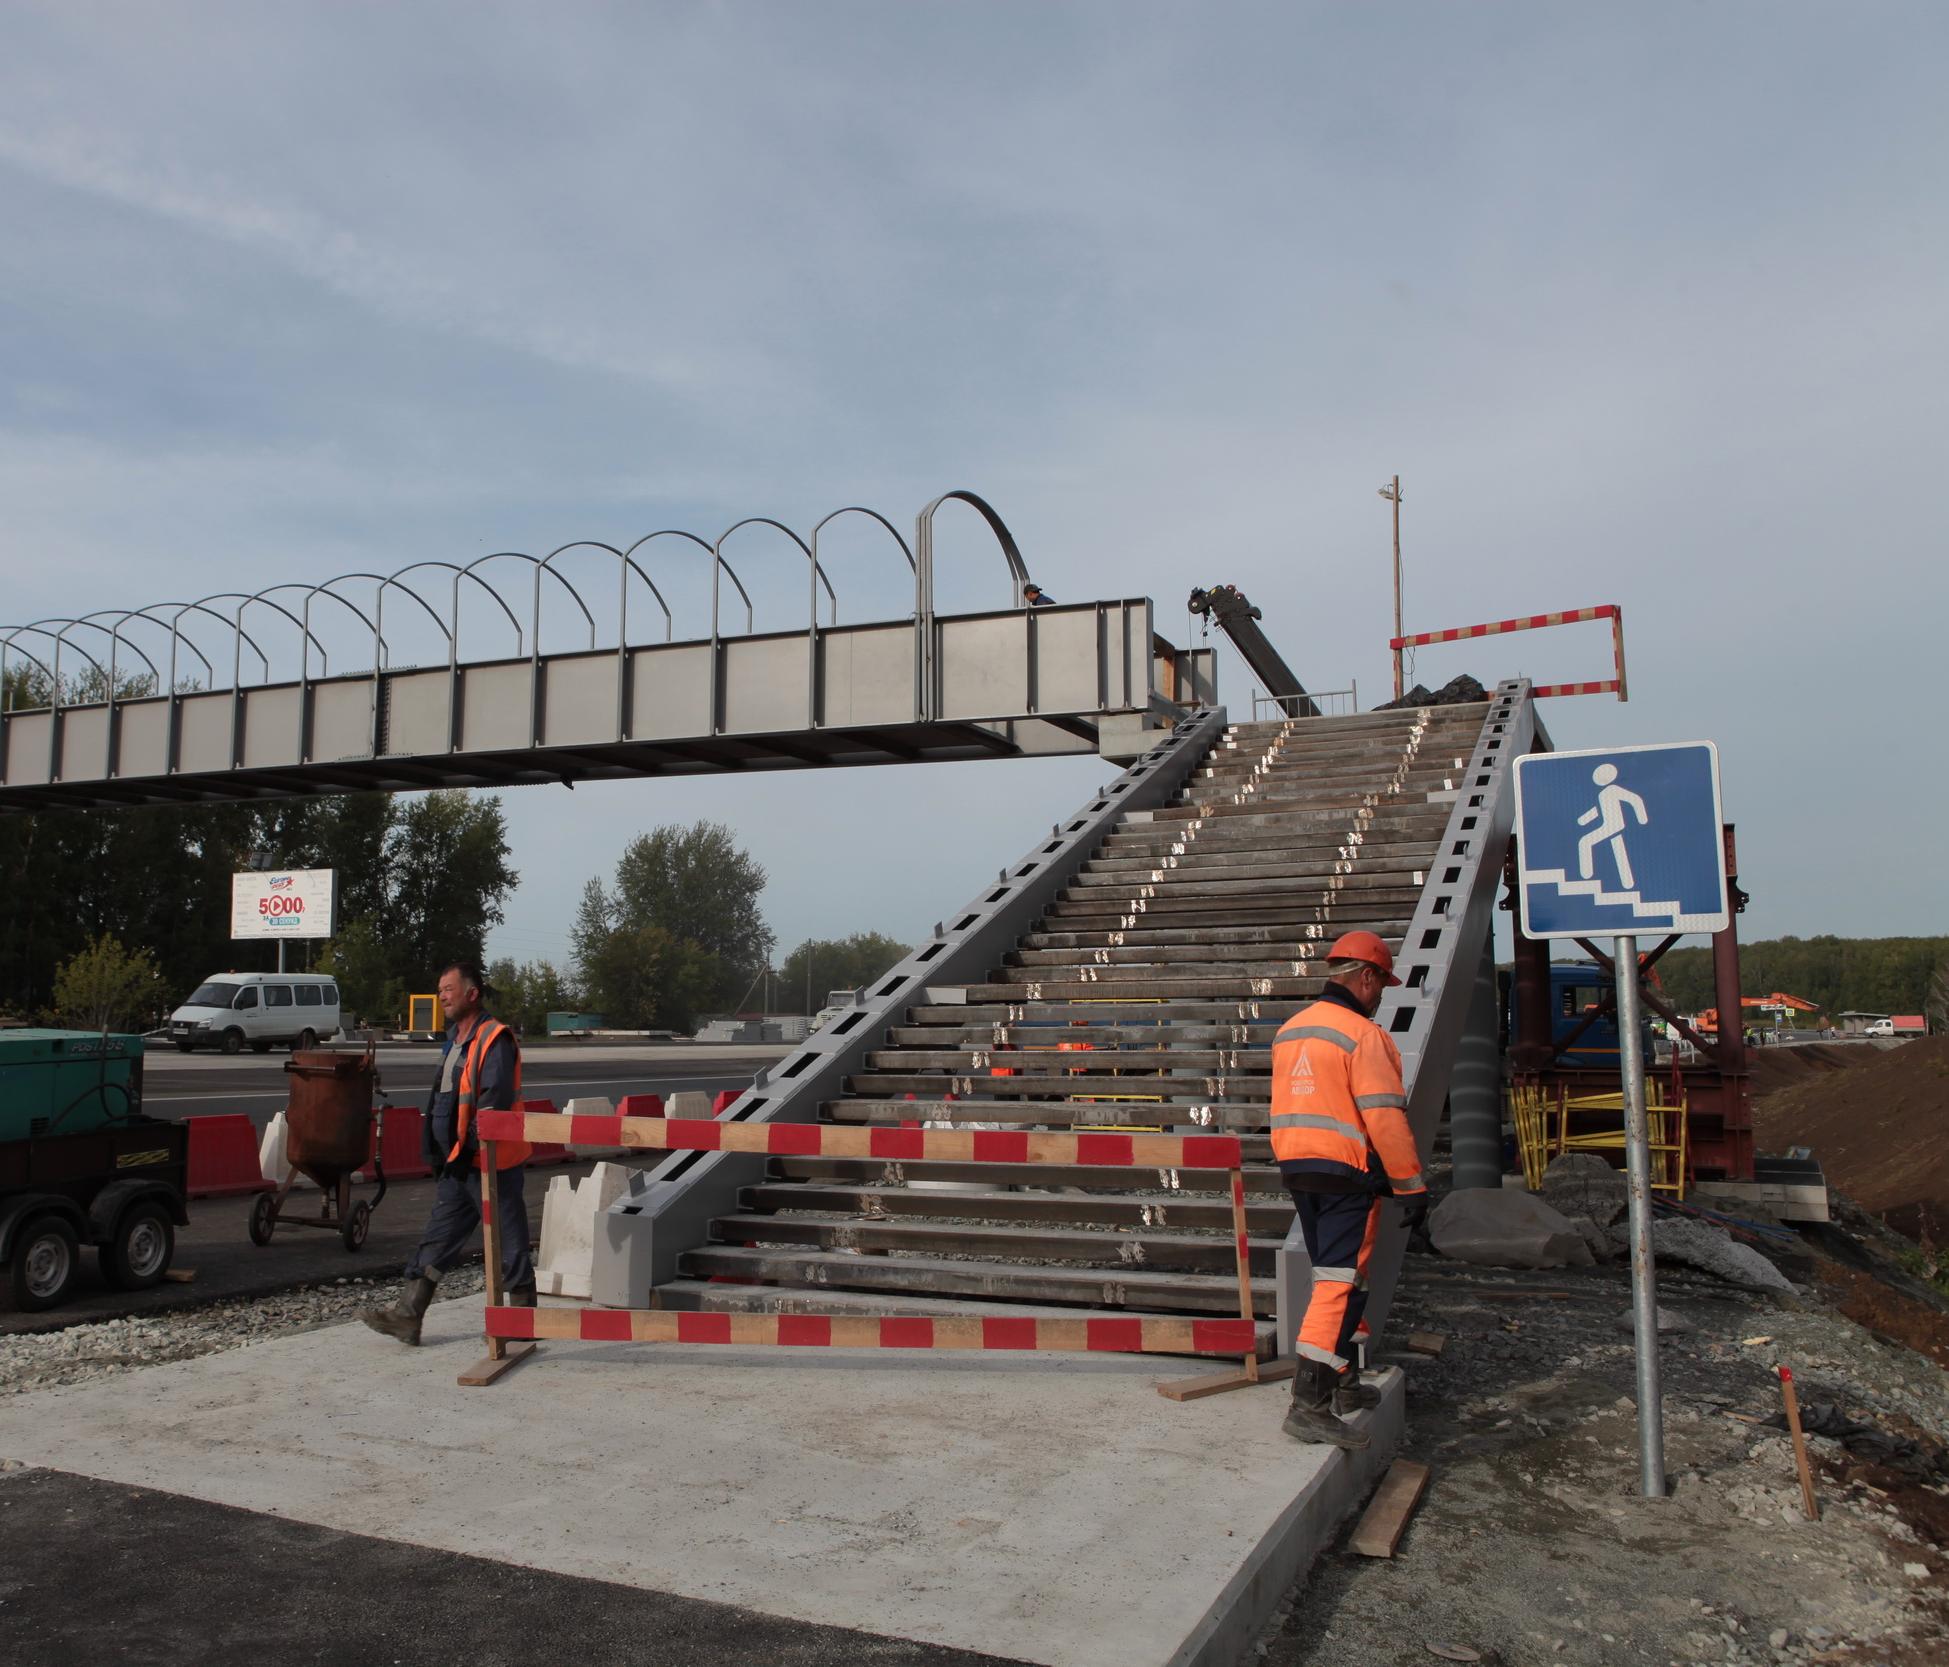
333 1132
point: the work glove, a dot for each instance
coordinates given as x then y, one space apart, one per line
1414 1212
463 1165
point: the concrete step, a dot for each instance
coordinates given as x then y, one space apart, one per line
1209 1212
1158 1292
1040 1079
1236 1115
1085 1057
1259 1178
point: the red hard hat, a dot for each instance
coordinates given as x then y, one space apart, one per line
1364 946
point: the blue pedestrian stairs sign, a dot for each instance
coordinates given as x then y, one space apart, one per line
1620 841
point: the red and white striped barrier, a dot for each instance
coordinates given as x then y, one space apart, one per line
1116 1333
1531 622
1101 1334
893 1145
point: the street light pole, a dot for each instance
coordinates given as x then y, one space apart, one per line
1392 493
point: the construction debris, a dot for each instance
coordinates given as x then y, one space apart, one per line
1506 1228
1699 1244
1457 691
1583 1184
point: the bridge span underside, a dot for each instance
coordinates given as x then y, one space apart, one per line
1081 678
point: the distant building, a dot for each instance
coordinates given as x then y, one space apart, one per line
1856 1024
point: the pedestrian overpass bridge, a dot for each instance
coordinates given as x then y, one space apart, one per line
128 707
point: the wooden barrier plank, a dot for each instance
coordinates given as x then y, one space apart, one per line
1112 1334
1386 1518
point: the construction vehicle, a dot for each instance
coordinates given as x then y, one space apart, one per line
80 1164
1226 607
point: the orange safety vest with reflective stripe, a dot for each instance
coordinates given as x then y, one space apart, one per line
1338 1100
507 1153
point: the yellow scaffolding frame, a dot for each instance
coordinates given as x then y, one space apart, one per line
1543 1116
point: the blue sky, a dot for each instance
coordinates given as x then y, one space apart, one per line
1644 304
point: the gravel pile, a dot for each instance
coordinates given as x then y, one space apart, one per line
83 1353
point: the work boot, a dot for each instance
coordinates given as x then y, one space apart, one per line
521 1296
1351 1395
404 1318
1311 1416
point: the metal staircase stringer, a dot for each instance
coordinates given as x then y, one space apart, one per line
669 1207
1438 963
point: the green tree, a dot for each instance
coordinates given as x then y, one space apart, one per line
697 885
369 990
107 987
1937 1007
1869 975
446 860
640 977
822 964
525 994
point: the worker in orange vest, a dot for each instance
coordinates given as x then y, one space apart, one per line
1340 1134
479 1071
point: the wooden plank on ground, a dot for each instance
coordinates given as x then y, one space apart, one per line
487 1369
1426 1342
1219 1383
1387 1514
179 1276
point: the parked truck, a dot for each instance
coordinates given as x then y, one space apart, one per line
81 1164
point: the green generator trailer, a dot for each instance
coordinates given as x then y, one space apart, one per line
81 1164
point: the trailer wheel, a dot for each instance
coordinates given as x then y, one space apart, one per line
263 1218
357 1223
138 1256
233 1041
46 1258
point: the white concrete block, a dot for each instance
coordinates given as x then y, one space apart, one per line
271 1161
569 1211
692 1102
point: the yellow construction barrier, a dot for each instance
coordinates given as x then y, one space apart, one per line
1543 1119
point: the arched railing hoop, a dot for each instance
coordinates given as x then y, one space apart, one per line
468 572
543 566
924 542
7 647
114 634
913 566
239 636
358 613
448 627
64 621
818 578
306 641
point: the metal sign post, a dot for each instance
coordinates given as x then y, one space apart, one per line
1644 1271
1609 844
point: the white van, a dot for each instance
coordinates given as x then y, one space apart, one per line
1881 1027
232 1009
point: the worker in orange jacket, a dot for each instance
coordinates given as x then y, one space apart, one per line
479 1071
1340 1134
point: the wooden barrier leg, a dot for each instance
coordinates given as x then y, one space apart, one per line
1217 1383
501 1354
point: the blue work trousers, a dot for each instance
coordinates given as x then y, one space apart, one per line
456 1218
1338 1228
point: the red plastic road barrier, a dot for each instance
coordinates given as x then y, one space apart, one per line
642 1105
223 1156
1115 1334
400 1148
725 1097
831 1140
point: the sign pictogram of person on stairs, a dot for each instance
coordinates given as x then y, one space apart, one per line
1608 813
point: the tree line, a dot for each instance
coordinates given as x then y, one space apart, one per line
1863 975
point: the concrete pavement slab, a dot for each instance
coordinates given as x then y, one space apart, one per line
1054 1509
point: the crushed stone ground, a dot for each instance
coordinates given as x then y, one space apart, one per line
1532 1544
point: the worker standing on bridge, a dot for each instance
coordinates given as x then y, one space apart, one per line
1340 1134
479 1071
1037 597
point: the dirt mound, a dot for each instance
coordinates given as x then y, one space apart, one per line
1877 1128
1791 1065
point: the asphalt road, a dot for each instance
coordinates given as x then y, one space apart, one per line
190 1085
93 1572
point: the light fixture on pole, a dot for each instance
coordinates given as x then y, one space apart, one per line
1392 492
